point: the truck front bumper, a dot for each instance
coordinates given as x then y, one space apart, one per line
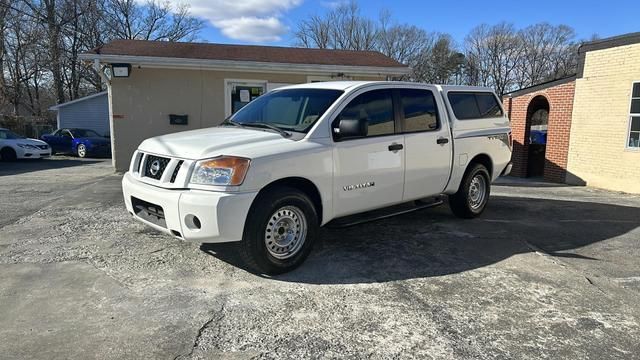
192 215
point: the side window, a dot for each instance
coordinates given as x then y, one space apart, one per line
634 115
419 108
65 133
464 105
376 107
474 105
488 105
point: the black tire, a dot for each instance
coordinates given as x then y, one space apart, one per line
461 203
253 247
8 154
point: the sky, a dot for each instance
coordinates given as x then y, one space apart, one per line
272 22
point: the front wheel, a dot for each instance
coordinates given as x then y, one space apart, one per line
8 154
473 193
280 231
82 150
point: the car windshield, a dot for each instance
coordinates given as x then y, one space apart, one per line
84 133
290 109
10 135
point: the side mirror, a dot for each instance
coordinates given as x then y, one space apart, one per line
351 128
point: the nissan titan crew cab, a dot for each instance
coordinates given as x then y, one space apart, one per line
307 155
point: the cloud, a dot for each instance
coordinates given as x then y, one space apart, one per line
334 4
246 20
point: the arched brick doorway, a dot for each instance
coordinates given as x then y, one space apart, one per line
537 125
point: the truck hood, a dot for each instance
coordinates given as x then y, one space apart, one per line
211 142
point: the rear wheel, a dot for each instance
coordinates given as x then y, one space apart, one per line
280 231
81 150
473 193
8 154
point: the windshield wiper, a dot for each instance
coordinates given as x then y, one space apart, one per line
266 126
230 122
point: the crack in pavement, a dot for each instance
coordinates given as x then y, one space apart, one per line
217 316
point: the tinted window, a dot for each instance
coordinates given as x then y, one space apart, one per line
419 108
374 106
84 133
464 105
6 134
474 105
488 105
289 109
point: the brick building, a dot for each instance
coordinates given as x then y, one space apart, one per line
583 129
543 110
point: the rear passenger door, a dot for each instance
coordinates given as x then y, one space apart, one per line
369 171
427 142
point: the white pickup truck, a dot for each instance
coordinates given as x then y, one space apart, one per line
307 155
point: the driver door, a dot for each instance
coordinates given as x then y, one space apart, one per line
66 140
369 171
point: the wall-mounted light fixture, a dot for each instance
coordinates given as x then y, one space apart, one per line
121 70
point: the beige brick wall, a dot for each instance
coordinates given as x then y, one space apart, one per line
599 129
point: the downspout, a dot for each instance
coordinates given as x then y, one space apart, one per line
99 69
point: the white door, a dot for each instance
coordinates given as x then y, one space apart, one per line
369 171
427 143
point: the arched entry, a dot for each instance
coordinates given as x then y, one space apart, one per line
537 123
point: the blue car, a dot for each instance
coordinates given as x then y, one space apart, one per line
81 142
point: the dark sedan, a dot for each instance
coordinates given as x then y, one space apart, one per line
81 142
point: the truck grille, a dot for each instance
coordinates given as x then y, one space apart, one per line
154 166
175 172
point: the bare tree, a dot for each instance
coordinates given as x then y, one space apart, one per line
341 28
493 55
548 53
156 20
440 62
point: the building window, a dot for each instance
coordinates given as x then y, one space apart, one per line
634 118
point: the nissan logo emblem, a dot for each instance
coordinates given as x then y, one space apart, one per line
155 167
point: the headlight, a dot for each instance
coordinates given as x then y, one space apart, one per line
224 170
28 146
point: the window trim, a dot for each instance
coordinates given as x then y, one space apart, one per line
475 92
398 98
630 119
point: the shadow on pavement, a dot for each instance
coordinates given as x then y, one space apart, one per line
433 242
25 166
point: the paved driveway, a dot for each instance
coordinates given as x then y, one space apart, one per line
548 272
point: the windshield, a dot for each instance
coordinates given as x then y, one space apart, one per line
84 133
6 134
292 109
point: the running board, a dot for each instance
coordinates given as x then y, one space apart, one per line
383 213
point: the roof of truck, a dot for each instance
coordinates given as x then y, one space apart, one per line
345 85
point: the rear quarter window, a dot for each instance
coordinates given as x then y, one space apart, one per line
474 105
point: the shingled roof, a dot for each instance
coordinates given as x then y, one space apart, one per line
246 53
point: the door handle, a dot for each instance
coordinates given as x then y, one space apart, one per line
442 140
395 147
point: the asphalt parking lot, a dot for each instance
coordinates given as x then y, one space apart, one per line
548 272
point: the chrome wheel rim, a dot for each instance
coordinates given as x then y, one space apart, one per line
285 233
477 192
81 151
